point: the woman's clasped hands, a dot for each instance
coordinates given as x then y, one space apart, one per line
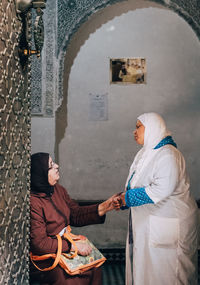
113 203
119 201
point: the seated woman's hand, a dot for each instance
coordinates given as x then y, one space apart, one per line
83 248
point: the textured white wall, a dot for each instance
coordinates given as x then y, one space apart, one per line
43 135
95 156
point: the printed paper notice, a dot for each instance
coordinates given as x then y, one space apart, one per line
98 107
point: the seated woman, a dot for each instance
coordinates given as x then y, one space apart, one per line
52 210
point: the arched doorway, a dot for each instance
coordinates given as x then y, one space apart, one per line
95 155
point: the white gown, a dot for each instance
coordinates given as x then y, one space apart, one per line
165 234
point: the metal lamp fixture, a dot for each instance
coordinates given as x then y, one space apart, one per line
22 8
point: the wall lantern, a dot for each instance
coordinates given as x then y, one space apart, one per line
22 8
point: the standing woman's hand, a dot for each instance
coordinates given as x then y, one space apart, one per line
119 201
107 205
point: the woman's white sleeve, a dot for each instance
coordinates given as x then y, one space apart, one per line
165 178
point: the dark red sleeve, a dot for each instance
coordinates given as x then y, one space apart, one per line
40 243
83 215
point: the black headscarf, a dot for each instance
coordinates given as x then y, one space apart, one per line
39 174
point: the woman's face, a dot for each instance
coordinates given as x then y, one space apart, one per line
53 173
139 132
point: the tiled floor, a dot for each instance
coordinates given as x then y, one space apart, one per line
113 273
114 268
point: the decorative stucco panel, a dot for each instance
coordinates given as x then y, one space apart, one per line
14 151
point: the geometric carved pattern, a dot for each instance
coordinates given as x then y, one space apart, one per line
49 53
70 15
14 151
189 10
42 69
36 85
36 75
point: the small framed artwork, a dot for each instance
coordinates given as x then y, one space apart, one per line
128 70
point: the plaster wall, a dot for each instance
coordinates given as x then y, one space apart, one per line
43 135
95 156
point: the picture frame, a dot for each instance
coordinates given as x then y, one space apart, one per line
128 70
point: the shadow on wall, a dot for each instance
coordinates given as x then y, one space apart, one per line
78 39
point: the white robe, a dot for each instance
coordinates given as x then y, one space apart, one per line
165 234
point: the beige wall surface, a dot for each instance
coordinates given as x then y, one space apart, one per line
95 155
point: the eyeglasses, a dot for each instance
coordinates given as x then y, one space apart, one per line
53 164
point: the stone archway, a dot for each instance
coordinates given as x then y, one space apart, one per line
71 149
62 20
189 11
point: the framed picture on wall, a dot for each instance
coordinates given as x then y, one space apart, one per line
128 70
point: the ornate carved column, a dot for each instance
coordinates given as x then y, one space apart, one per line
14 150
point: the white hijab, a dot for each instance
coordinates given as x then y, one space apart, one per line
155 131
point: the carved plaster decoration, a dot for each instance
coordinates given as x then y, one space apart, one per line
72 15
39 30
36 74
43 70
49 60
62 19
14 151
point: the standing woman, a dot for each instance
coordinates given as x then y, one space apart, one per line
52 210
162 238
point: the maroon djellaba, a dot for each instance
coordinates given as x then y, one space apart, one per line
52 209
